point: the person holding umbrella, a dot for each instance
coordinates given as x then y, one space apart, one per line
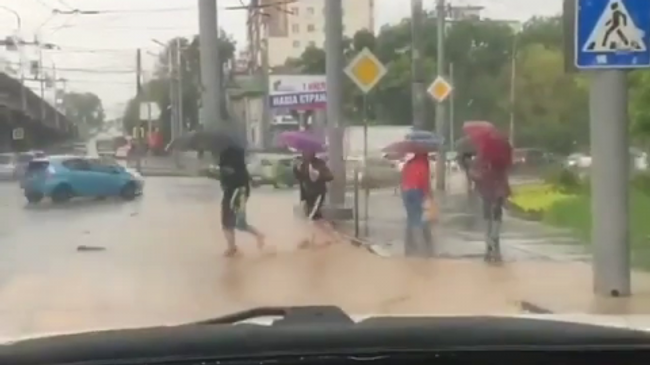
489 172
416 189
230 150
312 174
235 183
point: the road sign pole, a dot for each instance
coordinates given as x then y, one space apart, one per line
366 187
440 107
610 36
609 182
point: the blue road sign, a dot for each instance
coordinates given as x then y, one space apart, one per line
612 34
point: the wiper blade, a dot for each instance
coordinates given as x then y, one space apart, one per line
288 315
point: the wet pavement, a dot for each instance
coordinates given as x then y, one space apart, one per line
160 263
460 231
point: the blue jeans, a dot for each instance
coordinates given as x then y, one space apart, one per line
416 225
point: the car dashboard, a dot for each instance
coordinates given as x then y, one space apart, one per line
326 335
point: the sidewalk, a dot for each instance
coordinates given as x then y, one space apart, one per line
459 232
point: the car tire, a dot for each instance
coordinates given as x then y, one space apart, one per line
62 194
129 191
34 198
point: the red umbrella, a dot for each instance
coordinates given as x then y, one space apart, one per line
491 145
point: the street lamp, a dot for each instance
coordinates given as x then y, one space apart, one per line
19 21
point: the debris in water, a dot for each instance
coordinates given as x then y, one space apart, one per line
84 248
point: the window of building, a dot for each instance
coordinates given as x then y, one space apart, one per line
295 10
296 44
311 28
295 28
310 10
312 44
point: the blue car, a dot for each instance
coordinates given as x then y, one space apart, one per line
62 178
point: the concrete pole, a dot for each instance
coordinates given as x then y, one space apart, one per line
418 87
210 64
609 183
264 75
335 124
440 107
513 97
180 69
171 72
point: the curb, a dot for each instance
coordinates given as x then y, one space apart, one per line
366 245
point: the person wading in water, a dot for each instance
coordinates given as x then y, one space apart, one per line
313 175
235 183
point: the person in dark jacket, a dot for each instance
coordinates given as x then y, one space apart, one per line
493 186
235 183
313 174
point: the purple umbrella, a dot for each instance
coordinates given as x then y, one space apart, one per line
302 141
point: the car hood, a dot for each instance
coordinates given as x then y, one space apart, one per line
632 322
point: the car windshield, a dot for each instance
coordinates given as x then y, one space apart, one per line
199 211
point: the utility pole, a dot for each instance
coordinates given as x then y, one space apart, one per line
441 164
210 63
418 88
41 75
180 67
266 103
334 73
138 72
452 106
173 98
513 78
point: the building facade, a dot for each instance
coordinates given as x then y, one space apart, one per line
292 27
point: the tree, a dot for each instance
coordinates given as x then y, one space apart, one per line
157 89
84 109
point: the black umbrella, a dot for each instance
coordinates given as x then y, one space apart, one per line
214 141
465 146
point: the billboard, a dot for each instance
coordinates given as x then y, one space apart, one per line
298 92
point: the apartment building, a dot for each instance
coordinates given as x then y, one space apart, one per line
291 27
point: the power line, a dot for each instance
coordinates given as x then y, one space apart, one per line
98 70
135 11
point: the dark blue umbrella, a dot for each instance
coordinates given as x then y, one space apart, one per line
424 136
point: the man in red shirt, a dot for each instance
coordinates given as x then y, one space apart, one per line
416 188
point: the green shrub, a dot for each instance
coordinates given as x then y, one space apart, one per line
565 180
641 182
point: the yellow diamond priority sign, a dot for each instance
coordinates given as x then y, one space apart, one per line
440 89
365 70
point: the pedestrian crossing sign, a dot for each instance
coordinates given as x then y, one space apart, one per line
612 34
615 31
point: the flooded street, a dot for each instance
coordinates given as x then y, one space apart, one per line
158 260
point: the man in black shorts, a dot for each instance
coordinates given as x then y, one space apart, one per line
235 183
313 175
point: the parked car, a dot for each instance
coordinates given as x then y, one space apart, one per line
62 178
374 172
8 166
272 169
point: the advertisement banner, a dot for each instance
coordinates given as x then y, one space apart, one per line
298 92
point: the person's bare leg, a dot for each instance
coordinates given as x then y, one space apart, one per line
259 236
229 234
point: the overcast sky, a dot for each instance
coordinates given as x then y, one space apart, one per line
98 51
